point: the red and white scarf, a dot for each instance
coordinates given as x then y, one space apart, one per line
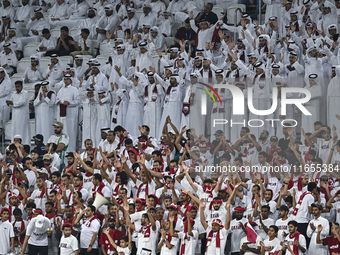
146 190
185 238
296 238
22 228
115 111
297 207
87 222
168 91
153 96
146 231
218 241
98 189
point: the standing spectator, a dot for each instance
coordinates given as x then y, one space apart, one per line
7 233
37 234
68 243
20 112
207 15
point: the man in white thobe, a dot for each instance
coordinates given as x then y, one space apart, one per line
37 23
153 98
5 95
13 39
97 80
23 13
89 102
106 23
78 10
68 100
54 72
20 113
58 12
90 23
32 74
148 17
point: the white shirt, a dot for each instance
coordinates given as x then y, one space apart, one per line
107 147
303 215
86 233
302 242
324 148
219 214
147 243
68 245
38 236
283 227
7 232
267 222
190 242
250 245
126 250
166 251
237 234
142 193
40 202
275 243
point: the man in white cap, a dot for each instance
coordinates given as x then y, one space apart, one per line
78 10
32 73
54 72
67 104
37 234
5 94
106 23
148 17
37 23
97 80
153 97
20 112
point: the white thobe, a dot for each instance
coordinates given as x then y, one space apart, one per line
78 11
44 114
313 106
50 44
70 121
108 23
54 75
127 23
149 19
103 113
333 100
101 82
37 25
153 108
21 116
33 76
135 110
315 248
58 12
89 120
23 13
9 59
16 43
9 10
119 108
5 94
89 23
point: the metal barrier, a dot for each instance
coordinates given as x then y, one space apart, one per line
235 20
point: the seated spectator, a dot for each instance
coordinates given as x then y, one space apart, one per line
23 13
8 60
48 42
37 23
207 15
32 74
64 47
84 46
13 39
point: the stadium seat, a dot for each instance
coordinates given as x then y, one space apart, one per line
74 31
23 64
44 62
67 60
175 27
95 48
138 14
102 59
24 31
30 49
231 12
169 41
8 129
56 32
16 77
218 9
156 63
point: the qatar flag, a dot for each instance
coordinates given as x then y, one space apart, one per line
251 234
